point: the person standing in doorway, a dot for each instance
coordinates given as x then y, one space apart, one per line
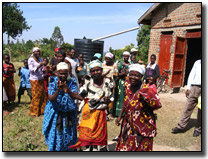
152 69
192 93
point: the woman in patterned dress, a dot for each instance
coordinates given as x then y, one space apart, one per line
59 124
93 125
39 99
138 126
122 74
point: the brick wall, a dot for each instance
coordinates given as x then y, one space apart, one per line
176 17
176 14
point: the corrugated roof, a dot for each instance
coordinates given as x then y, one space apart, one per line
147 16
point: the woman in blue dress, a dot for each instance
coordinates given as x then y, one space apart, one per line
59 124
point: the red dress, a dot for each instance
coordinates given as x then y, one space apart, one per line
138 126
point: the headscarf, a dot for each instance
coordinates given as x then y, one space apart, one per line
126 53
109 54
95 63
133 50
56 49
36 49
62 66
137 67
98 55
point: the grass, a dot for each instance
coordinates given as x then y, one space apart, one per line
23 133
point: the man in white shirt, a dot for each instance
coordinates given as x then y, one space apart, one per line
74 62
192 93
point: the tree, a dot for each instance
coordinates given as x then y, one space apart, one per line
143 37
57 38
67 46
13 22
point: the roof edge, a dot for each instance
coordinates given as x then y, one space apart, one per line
142 20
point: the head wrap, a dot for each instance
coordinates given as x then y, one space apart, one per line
109 54
98 55
133 50
95 63
137 67
56 49
62 66
126 53
36 49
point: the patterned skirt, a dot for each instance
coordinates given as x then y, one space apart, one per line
92 129
39 97
9 87
129 140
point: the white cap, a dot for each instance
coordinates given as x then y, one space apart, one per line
133 50
109 54
62 66
35 49
137 67
126 53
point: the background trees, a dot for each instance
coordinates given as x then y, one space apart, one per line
57 38
13 22
143 37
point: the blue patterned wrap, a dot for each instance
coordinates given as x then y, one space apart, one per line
57 140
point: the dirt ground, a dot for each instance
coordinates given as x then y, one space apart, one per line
171 99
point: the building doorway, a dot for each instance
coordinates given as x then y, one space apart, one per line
194 52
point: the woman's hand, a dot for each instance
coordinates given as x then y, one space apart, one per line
60 84
106 100
63 86
117 121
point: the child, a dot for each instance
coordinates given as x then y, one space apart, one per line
81 70
24 72
151 83
8 78
47 74
133 59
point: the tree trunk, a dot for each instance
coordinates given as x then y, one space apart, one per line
8 43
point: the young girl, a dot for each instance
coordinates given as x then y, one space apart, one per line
47 73
8 78
151 83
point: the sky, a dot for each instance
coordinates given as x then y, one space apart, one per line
76 20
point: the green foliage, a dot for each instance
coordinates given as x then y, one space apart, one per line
119 52
57 37
67 46
143 38
13 21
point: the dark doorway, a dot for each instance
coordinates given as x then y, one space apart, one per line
193 53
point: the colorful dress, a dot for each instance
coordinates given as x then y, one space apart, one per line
8 81
39 98
119 93
59 124
93 125
113 73
138 126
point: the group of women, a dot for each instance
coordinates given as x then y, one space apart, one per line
134 104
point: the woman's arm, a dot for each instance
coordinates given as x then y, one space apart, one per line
53 97
117 121
72 94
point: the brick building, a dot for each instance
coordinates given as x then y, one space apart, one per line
175 38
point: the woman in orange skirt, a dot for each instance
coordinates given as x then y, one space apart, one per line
8 78
39 98
93 125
